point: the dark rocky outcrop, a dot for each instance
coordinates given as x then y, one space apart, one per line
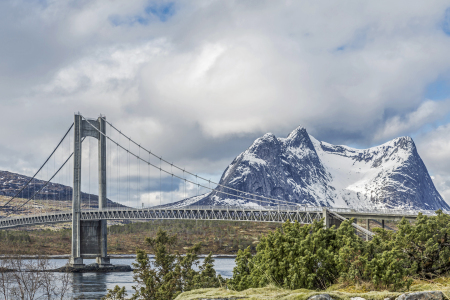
94 268
431 295
321 297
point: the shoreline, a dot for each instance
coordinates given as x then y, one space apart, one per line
112 256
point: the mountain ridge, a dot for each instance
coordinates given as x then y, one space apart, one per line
304 171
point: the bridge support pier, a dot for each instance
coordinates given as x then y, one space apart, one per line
368 228
89 238
326 218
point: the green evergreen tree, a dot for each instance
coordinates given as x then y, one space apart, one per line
170 273
117 293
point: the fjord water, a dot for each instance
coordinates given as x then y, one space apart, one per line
95 285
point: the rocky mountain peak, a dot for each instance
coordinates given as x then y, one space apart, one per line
405 143
265 147
299 138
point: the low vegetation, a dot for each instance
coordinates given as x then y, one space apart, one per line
337 291
218 237
315 258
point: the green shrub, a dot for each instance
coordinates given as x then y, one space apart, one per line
314 257
170 274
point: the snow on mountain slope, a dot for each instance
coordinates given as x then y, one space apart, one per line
302 170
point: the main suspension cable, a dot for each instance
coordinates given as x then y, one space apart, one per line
187 172
39 168
167 172
32 197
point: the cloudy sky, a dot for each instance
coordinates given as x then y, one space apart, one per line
198 81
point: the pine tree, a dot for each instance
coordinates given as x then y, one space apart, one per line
170 273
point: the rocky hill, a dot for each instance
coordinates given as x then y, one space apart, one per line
11 183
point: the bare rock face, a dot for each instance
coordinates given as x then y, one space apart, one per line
432 295
302 170
321 297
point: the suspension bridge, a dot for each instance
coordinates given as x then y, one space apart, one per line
138 180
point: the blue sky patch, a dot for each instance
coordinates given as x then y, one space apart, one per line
161 11
446 22
438 90
358 40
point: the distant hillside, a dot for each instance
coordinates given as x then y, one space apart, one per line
11 183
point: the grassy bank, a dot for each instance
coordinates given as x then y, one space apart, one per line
338 291
218 237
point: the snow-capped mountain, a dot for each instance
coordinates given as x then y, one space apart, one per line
303 170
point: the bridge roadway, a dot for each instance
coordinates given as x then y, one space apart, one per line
304 215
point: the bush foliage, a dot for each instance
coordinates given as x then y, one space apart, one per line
314 257
169 274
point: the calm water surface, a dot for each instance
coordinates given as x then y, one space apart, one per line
94 285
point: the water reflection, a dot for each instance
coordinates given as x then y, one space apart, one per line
89 285
95 285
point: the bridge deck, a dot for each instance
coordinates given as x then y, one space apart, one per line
304 215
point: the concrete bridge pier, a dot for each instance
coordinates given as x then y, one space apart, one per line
89 238
329 220
368 228
326 218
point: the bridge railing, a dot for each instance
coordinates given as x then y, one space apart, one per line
387 211
284 208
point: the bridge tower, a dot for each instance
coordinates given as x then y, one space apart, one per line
89 238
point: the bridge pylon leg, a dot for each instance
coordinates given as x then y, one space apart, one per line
75 257
103 258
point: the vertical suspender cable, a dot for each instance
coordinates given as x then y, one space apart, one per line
118 176
139 178
69 183
89 166
46 193
54 192
70 196
118 173
160 191
108 178
129 171
58 187
171 182
67 180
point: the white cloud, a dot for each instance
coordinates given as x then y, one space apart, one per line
434 148
199 87
427 113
